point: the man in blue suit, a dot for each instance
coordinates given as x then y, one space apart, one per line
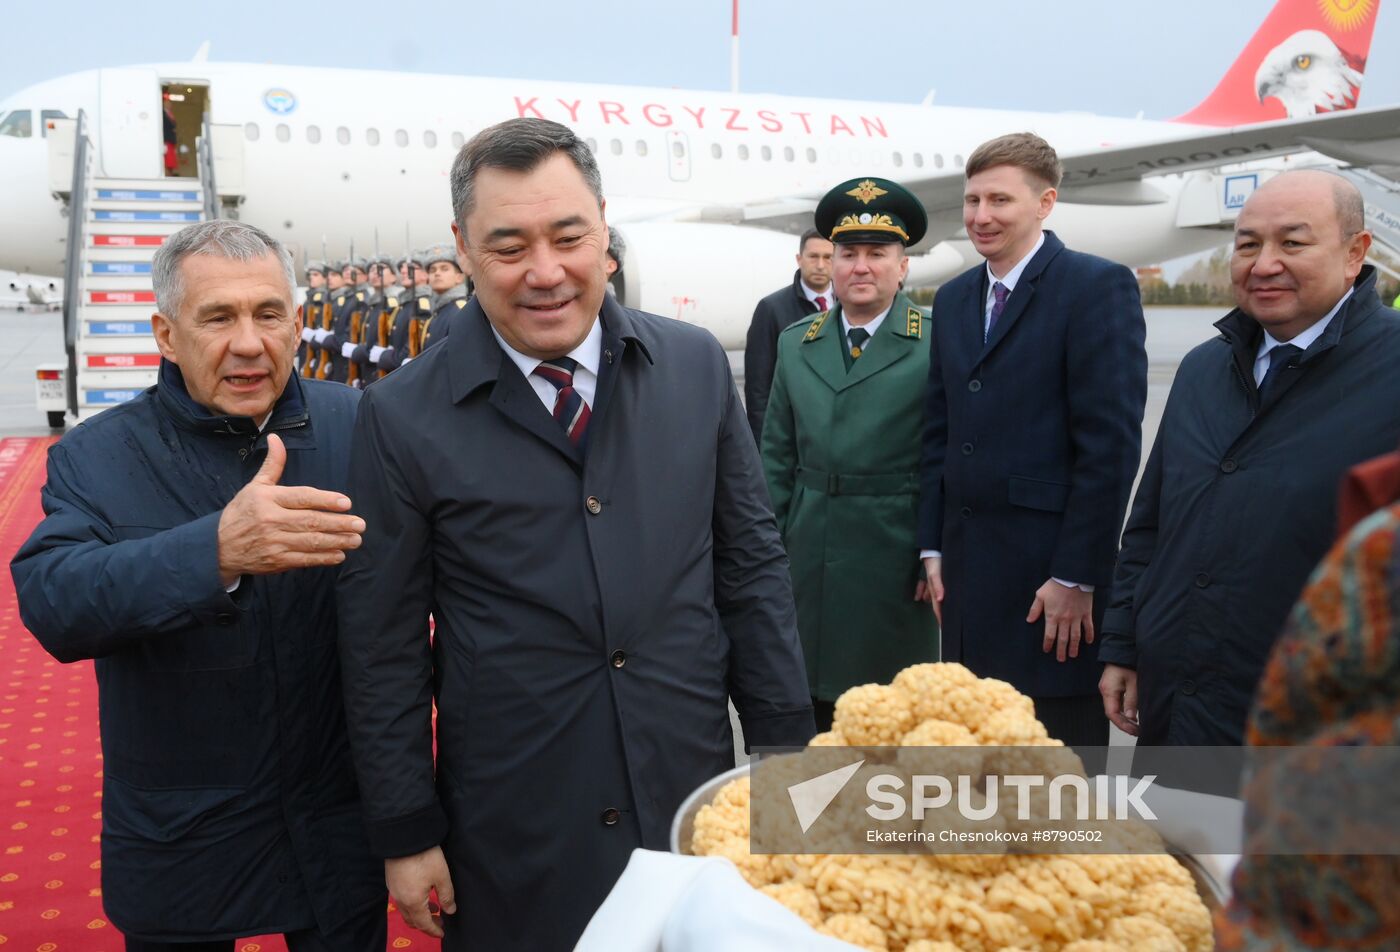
1032 431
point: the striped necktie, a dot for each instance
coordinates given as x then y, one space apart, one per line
570 409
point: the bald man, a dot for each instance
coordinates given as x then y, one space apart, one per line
1238 501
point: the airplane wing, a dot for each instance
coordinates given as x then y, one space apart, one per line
1114 175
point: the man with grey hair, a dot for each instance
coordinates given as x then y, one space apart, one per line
190 544
571 489
1239 498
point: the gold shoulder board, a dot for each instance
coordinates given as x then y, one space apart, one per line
423 303
915 322
816 327
360 296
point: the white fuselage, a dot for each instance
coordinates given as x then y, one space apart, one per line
342 156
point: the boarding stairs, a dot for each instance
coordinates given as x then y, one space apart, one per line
1381 196
115 227
124 222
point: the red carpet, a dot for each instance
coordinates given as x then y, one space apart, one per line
51 767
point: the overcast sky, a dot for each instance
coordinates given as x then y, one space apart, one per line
1106 56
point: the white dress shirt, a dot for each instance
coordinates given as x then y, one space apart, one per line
1008 281
870 326
1303 341
827 297
588 354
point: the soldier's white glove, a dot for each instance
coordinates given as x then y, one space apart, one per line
408 360
347 350
321 336
375 353
307 333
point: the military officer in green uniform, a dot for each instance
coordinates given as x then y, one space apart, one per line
841 450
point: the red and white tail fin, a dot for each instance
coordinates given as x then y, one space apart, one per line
1308 56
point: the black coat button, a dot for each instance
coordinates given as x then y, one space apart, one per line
223 618
593 505
1202 580
974 385
1188 687
967 449
610 817
1228 466
618 658
965 512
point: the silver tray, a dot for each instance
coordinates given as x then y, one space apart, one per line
1213 893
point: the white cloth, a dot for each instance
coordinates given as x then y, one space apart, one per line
588 354
669 903
1303 341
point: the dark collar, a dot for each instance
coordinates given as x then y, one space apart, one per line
174 397
474 356
1243 333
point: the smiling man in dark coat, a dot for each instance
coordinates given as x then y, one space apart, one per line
1238 501
206 592
1032 433
571 489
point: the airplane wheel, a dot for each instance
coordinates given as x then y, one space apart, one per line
56 419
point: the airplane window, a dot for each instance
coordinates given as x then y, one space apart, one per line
938 160
342 135
767 153
284 134
744 152
17 124
313 134
592 145
459 140
958 160
678 149
45 116
918 160
615 147
812 155
641 147
898 160
430 138
401 137
788 154
251 131
716 150
372 136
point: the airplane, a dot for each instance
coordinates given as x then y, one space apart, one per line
30 292
707 188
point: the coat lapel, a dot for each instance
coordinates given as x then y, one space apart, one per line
820 351
475 359
892 341
1023 292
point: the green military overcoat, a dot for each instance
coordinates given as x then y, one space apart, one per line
841 456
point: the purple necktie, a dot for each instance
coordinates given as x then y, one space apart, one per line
1000 293
821 302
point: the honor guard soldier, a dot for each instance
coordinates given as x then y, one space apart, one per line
344 307
841 450
364 333
395 327
319 364
310 312
449 287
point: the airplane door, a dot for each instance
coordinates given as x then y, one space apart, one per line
678 154
129 116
